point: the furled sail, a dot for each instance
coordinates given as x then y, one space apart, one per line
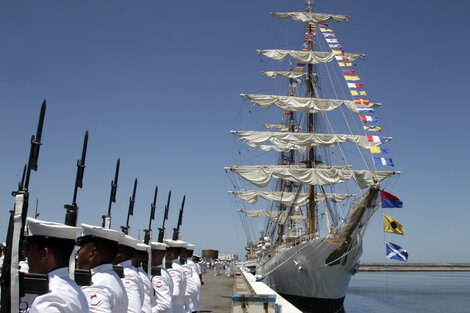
261 175
311 18
302 104
276 216
288 198
298 140
286 74
312 57
281 127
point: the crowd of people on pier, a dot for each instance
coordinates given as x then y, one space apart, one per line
117 265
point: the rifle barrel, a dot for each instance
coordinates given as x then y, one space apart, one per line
35 145
114 186
80 169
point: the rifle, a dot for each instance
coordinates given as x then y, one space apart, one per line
176 231
81 277
13 283
72 209
125 229
148 231
161 231
112 197
147 262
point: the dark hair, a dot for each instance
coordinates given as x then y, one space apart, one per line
107 248
177 250
61 249
128 251
139 253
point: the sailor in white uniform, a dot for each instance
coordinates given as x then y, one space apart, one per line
177 274
98 248
191 283
48 249
193 303
131 280
149 295
163 283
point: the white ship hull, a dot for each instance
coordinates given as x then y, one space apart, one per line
315 273
302 270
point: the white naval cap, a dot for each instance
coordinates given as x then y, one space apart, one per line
175 243
128 241
100 232
190 246
52 229
158 246
142 247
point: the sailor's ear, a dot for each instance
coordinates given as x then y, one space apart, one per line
45 254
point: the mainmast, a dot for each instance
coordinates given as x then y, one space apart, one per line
312 223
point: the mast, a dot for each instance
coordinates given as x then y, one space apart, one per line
312 223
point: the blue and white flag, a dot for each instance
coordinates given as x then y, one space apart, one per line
365 110
383 161
396 252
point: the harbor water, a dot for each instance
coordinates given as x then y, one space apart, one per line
397 292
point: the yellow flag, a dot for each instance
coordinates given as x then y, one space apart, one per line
372 128
354 93
391 225
339 52
375 150
363 93
349 77
344 64
326 30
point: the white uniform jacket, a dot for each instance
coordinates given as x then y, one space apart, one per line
191 287
149 295
64 295
134 287
195 299
179 286
163 286
106 293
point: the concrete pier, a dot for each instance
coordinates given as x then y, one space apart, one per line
216 293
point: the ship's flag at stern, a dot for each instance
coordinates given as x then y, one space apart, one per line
393 226
396 252
389 200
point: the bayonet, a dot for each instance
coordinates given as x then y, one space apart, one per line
72 209
148 231
176 231
125 229
112 197
161 231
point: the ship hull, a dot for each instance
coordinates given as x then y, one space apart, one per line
314 305
301 274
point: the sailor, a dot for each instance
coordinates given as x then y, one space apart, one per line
131 280
193 284
137 258
162 283
48 249
98 248
177 274
194 302
217 267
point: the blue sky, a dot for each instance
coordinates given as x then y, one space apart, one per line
157 84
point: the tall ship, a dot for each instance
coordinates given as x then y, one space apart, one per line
314 201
